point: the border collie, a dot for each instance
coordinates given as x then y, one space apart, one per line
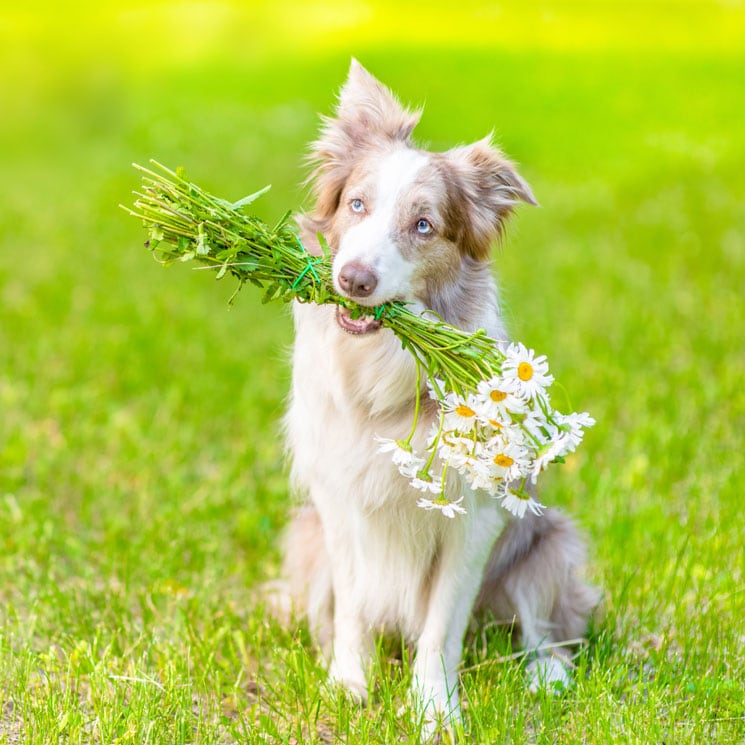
360 556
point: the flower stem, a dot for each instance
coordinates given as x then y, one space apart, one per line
417 402
436 441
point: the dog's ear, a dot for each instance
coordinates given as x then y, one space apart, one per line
368 111
487 188
367 115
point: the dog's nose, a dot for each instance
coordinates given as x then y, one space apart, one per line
357 280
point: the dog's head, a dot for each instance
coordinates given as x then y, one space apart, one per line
401 221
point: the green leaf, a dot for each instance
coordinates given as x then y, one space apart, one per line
235 293
247 264
245 201
282 221
270 292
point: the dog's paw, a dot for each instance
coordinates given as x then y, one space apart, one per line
349 675
438 712
548 674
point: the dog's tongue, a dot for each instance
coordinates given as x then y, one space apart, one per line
361 325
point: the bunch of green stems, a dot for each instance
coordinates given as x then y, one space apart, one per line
185 223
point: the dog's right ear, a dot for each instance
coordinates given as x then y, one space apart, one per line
367 115
368 112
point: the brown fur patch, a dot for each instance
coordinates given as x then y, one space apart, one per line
483 189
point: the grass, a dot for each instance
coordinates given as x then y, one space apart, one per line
142 483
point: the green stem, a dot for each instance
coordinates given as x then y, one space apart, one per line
417 403
435 442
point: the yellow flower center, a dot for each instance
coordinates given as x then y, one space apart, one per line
503 461
525 371
497 396
465 411
494 423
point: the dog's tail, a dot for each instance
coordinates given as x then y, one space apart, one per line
533 578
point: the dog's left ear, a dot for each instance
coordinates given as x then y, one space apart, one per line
489 187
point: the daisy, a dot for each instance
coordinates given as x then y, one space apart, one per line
572 427
545 457
387 445
505 461
565 438
518 502
518 433
529 373
405 459
481 477
461 414
491 428
447 508
537 430
458 452
499 401
434 486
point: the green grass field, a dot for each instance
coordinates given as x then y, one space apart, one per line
142 482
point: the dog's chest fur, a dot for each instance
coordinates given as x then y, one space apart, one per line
347 390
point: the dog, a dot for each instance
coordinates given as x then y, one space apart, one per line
360 557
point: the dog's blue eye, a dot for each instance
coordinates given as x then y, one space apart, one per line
424 227
356 205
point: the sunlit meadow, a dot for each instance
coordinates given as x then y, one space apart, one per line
143 488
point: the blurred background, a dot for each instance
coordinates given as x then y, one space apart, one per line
140 448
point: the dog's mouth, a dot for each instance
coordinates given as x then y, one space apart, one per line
357 326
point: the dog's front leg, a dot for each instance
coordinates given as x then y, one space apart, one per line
440 645
350 652
351 647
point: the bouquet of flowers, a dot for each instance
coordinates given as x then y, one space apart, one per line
496 426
